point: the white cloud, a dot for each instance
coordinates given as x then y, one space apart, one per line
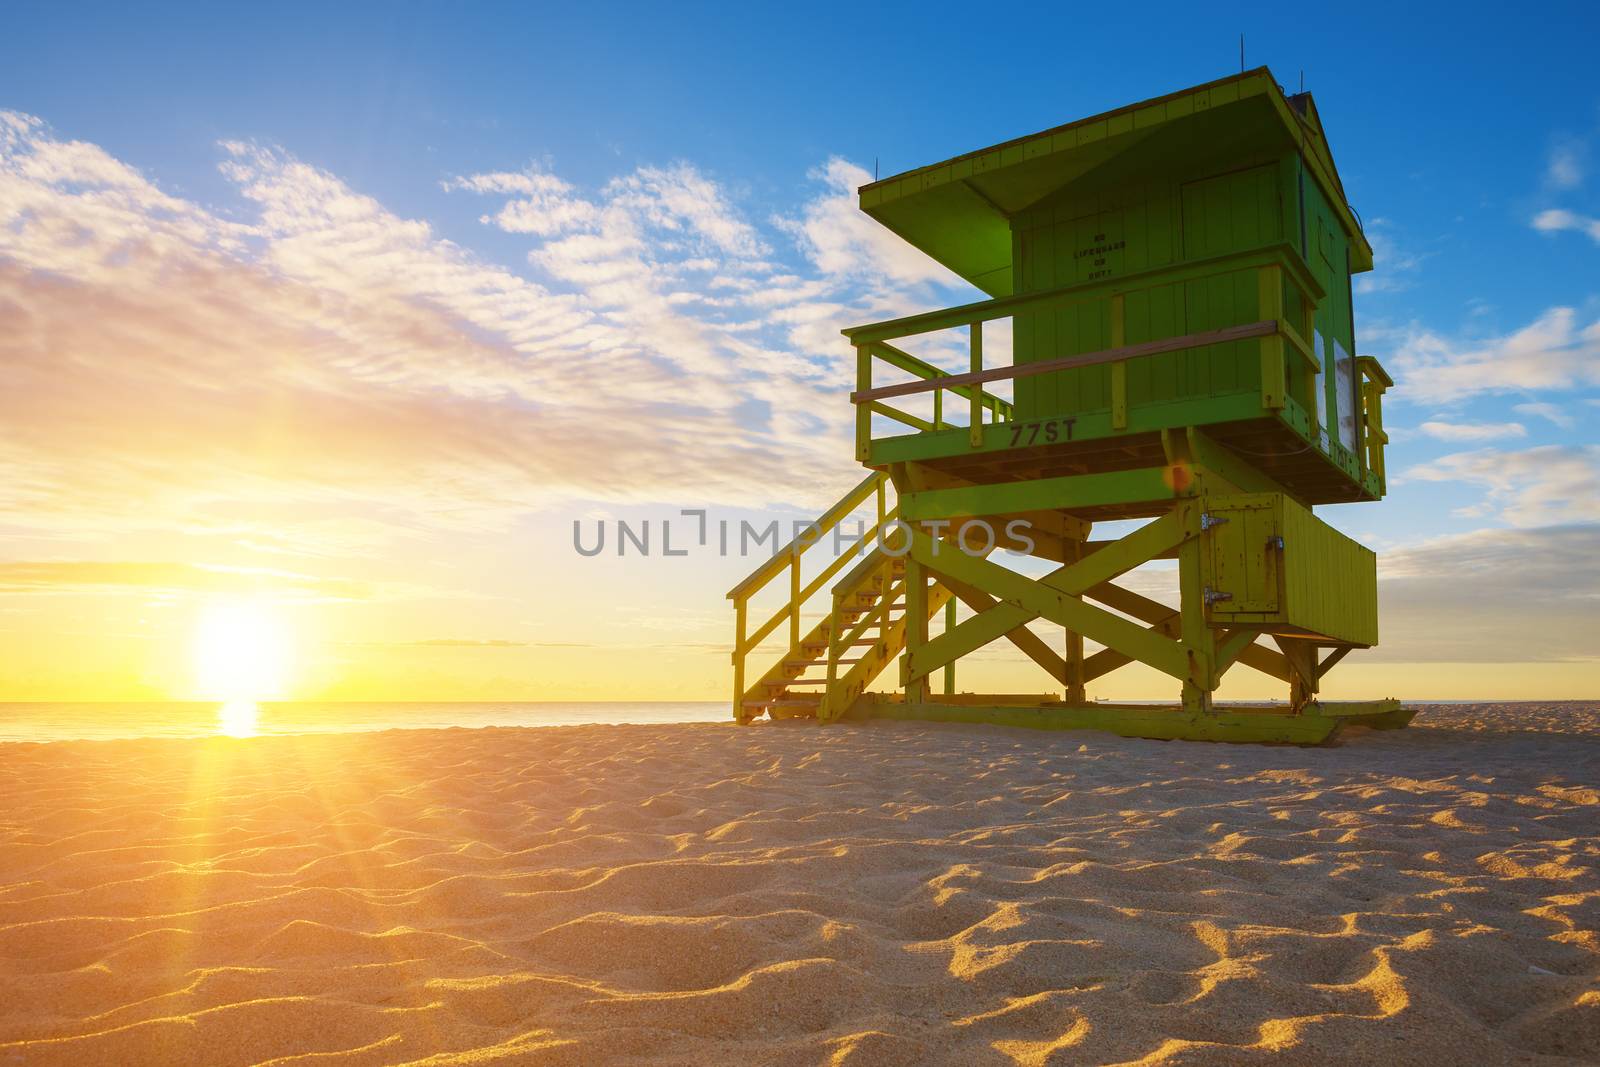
1391 264
681 197
325 375
1555 220
1555 351
1523 595
1541 486
1549 412
1565 168
1473 431
843 242
540 203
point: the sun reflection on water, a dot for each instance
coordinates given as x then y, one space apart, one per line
237 718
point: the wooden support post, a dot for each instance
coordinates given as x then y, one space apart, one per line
1198 639
950 668
975 423
1303 672
1119 369
1270 296
863 411
835 635
794 595
916 629
1072 675
738 661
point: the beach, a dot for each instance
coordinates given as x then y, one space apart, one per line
873 894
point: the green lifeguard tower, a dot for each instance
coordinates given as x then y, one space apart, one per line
1175 276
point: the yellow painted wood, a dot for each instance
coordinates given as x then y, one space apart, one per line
916 621
1320 583
1026 599
1026 641
975 404
1108 562
738 663
891 641
1247 725
1198 639
950 668
863 412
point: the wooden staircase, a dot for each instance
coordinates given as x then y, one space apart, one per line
825 668
833 663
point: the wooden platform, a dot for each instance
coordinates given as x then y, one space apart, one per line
1272 446
1317 723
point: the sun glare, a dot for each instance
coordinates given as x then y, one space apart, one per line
237 718
241 655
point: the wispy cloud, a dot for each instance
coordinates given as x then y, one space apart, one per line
540 203
1556 220
1392 265
144 577
1555 351
1566 165
1552 413
844 243
1548 485
1472 431
1522 595
317 370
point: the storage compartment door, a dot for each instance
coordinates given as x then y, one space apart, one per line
1246 577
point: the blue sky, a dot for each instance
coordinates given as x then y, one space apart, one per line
1444 116
1468 138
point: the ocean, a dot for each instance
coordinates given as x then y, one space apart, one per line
73 722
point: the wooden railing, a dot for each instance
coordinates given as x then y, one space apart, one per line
1374 381
1274 267
928 378
788 560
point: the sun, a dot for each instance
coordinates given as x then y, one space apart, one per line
241 654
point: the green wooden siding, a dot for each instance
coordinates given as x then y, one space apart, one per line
1076 238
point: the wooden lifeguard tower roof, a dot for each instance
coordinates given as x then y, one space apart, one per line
959 211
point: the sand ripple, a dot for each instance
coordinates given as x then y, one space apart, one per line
866 895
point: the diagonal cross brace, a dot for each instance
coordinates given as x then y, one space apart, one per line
1025 639
1054 597
1157 614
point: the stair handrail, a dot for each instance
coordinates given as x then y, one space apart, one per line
789 558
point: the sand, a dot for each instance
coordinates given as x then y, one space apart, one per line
783 894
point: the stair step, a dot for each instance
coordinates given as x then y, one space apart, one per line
802 678
848 644
802 664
